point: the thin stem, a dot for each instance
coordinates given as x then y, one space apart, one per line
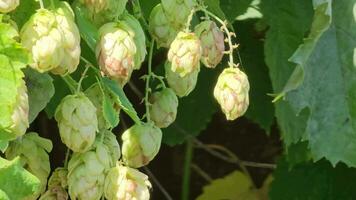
135 90
148 77
159 185
66 158
41 4
189 20
67 80
53 5
160 78
202 173
82 78
186 173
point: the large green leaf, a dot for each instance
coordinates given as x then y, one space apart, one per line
40 91
234 8
313 181
194 111
15 182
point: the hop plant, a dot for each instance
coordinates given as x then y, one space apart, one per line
116 52
55 193
184 53
160 28
123 183
182 86
33 151
86 172
95 95
112 145
212 41
53 40
163 108
103 11
77 122
231 92
140 144
58 178
8 5
178 11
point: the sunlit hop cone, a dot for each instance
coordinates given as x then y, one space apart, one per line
178 11
56 186
160 28
87 171
140 144
163 108
124 183
212 41
95 95
102 11
8 5
116 52
20 112
231 92
182 86
77 122
184 53
33 151
53 40
55 193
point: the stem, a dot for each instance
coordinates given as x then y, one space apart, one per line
190 17
148 77
53 5
69 82
66 158
159 185
41 4
186 173
81 79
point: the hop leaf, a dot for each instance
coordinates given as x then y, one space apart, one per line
182 86
163 108
212 41
140 144
116 52
53 39
8 5
231 92
184 53
126 183
77 122
160 28
33 151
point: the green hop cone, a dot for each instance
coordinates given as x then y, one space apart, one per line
77 122
182 86
163 108
160 28
96 97
33 151
103 11
140 144
178 11
8 5
112 145
116 51
212 41
86 172
126 183
55 193
53 40
231 92
184 53
56 186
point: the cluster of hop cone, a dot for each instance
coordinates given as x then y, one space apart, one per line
98 167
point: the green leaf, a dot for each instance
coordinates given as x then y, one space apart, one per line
24 11
109 112
194 111
234 8
214 7
40 91
313 181
124 102
61 90
15 181
147 6
252 12
261 109
3 145
298 153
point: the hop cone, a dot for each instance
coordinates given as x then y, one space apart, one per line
116 52
53 40
20 112
86 172
55 193
123 183
77 122
231 92
182 86
178 11
96 97
163 108
140 144
212 41
112 145
8 5
160 28
184 53
33 151
102 11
